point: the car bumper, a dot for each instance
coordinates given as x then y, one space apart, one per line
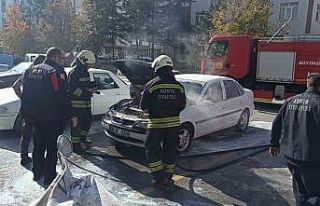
124 134
7 121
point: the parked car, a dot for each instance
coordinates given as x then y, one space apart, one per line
214 103
9 77
4 67
112 90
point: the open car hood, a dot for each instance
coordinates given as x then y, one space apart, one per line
138 72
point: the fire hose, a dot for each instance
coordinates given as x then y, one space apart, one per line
210 169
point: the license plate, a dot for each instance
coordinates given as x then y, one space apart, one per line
118 131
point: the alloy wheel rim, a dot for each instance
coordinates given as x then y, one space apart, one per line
244 120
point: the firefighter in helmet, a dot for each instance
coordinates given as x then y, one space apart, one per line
163 99
81 90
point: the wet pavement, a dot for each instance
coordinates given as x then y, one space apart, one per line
241 177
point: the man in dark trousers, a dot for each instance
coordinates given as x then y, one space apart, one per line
296 133
46 103
81 90
163 99
26 127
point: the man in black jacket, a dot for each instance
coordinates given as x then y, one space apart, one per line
81 89
163 99
26 127
296 132
46 103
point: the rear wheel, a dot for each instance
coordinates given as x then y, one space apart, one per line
185 137
243 122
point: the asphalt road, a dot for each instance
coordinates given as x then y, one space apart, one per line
242 177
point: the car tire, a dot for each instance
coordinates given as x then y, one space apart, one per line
243 122
17 125
186 133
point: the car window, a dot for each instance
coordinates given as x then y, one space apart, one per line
240 88
192 89
214 92
232 90
7 81
218 49
104 81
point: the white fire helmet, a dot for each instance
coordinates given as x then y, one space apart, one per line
86 57
161 61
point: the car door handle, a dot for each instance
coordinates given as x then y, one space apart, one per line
118 93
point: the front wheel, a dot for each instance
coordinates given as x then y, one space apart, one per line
185 137
243 122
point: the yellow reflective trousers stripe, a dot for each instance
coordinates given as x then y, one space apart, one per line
81 104
165 122
156 166
166 86
84 79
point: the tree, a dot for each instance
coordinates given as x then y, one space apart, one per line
56 25
17 38
242 17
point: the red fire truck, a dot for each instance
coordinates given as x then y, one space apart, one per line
274 70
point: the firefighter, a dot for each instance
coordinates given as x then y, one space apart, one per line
46 103
26 127
163 99
81 90
296 131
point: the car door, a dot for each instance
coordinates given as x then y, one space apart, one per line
210 108
233 102
110 92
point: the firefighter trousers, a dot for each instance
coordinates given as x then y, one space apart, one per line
45 149
161 151
80 132
305 180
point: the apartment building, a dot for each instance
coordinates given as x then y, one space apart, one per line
305 16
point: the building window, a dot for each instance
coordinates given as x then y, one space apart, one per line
200 17
288 10
318 13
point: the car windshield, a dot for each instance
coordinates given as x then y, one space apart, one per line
20 68
193 89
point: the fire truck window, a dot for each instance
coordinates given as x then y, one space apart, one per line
218 49
232 90
214 92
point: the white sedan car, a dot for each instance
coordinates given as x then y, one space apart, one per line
214 103
112 90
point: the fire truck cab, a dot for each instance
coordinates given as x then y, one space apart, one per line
274 70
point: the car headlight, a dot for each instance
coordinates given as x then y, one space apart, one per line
142 125
3 110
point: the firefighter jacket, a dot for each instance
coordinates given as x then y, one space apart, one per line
79 82
164 98
296 128
44 95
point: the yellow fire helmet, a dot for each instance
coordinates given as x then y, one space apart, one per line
161 61
86 57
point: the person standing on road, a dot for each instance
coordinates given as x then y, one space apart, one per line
81 90
296 133
46 103
163 99
26 127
